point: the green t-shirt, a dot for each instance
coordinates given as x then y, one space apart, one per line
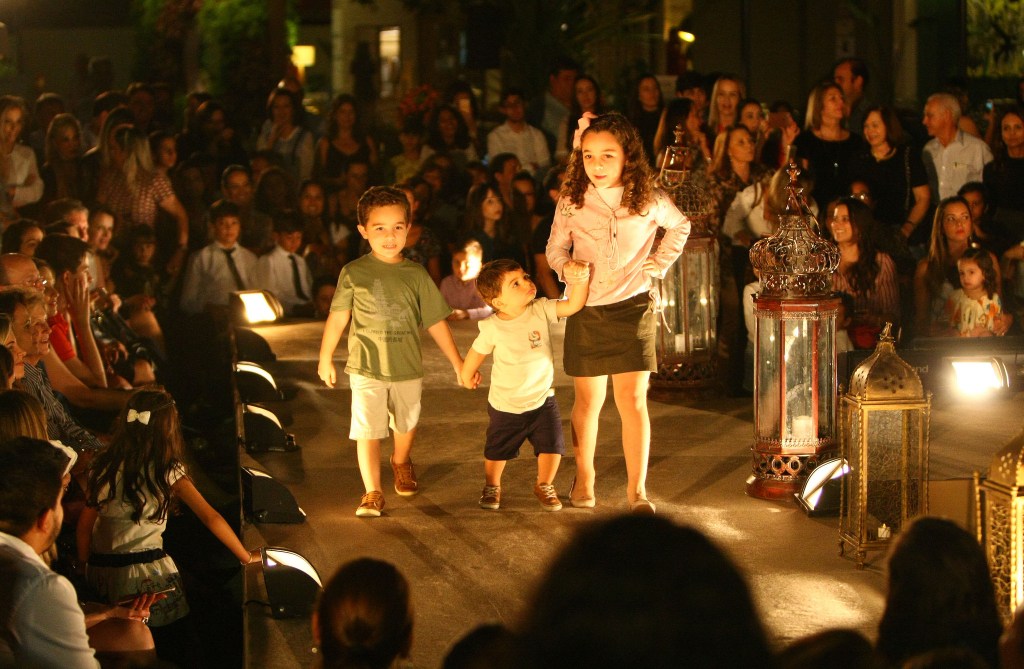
390 302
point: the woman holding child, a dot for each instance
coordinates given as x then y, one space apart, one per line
608 215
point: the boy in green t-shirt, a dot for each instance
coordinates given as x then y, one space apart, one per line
388 299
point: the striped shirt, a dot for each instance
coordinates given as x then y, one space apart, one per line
59 423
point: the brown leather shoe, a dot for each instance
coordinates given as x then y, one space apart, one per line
405 478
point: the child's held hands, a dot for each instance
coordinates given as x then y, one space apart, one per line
576 272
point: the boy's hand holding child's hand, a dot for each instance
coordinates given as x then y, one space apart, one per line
576 272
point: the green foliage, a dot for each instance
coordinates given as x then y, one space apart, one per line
162 28
995 38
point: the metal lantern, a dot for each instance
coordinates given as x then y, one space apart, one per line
795 353
884 440
687 337
999 515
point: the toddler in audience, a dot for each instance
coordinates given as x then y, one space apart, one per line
521 401
459 288
973 307
136 277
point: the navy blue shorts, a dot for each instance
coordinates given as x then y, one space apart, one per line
506 432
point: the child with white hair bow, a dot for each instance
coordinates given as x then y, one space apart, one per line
131 485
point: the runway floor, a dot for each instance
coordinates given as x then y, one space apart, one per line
468 566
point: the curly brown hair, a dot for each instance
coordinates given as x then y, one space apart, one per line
637 175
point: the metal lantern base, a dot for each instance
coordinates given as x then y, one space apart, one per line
779 475
698 372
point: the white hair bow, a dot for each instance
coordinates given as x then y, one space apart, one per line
141 416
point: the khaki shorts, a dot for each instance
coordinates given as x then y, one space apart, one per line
377 405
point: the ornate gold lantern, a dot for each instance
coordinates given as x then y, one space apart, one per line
884 440
999 515
795 352
687 336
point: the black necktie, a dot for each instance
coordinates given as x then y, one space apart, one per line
234 269
297 279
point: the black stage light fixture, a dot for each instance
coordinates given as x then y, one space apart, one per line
292 583
255 383
267 500
821 492
263 431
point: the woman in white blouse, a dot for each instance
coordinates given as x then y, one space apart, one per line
18 168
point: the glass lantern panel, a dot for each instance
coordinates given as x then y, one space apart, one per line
851 482
824 340
894 468
690 302
767 375
799 362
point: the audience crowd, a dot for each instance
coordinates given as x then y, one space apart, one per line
125 233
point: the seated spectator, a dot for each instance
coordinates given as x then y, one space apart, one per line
324 257
603 603
831 649
72 213
865 272
341 205
28 317
405 165
209 132
518 137
22 236
975 307
345 139
989 233
484 646
236 184
448 133
421 244
16 366
547 280
19 172
47 107
220 268
71 329
46 627
524 185
940 594
276 191
937 275
364 616
102 253
459 287
283 271
488 222
20 271
62 172
1005 174
137 278
284 134
323 294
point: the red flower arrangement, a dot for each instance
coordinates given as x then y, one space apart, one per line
418 101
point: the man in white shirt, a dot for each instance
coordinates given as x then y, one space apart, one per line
220 268
516 136
952 157
41 621
283 271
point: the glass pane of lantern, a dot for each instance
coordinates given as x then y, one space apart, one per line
690 301
768 371
824 341
853 456
894 471
801 382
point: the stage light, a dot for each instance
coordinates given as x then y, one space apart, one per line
821 492
251 346
255 384
977 376
262 430
267 500
687 37
256 306
292 583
